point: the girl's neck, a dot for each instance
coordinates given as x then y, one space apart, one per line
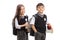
21 15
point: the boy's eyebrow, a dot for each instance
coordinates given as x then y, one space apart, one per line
40 4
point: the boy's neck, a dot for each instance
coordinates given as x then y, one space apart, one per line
41 13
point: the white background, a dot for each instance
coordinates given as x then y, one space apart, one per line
8 9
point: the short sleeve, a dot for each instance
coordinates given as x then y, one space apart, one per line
32 20
16 24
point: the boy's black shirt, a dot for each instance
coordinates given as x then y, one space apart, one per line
40 24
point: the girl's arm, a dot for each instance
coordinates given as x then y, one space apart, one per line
26 24
19 26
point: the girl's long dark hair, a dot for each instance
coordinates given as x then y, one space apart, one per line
18 11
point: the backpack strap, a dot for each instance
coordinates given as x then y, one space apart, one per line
26 17
14 29
35 15
45 17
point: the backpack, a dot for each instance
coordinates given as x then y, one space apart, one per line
31 30
14 28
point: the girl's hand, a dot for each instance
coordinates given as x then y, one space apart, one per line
26 24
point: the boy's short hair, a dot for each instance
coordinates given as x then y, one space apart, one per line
40 4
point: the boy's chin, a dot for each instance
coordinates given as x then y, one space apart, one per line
41 12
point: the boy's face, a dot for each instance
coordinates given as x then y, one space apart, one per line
40 9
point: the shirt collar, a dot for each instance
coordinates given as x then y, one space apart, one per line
41 15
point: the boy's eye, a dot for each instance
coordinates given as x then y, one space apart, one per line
40 7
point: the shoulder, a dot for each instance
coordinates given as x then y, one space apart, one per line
15 19
35 15
45 15
26 16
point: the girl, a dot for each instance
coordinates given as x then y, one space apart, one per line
21 23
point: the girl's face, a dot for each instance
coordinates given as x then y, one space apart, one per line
22 11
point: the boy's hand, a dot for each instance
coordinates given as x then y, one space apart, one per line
50 27
35 31
52 30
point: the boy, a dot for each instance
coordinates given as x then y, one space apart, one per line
38 23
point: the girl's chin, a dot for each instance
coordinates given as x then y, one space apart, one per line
41 11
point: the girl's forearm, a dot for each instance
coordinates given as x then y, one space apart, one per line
23 25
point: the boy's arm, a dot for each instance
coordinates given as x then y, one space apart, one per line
32 22
48 24
34 29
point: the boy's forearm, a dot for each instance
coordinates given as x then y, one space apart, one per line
34 29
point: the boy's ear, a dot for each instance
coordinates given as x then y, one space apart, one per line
36 8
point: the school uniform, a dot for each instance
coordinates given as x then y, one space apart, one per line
39 21
22 33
